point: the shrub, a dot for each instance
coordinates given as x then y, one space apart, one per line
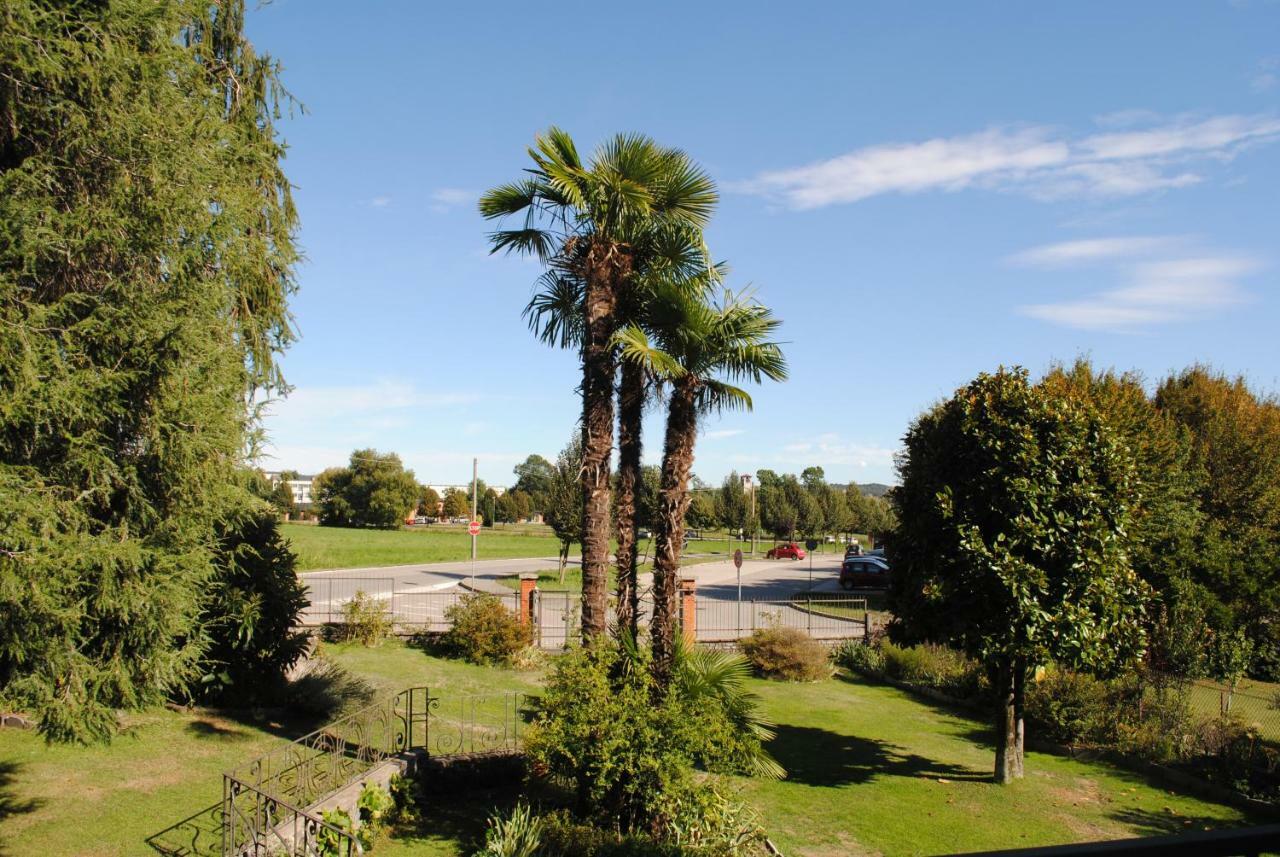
251 615
788 654
1153 718
375 806
1071 707
859 657
484 631
517 835
406 799
624 750
324 690
328 842
365 619
934 666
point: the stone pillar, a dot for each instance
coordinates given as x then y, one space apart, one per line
528 583
689 609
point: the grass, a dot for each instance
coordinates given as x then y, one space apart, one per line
107 800
872 769
338 547
1254 702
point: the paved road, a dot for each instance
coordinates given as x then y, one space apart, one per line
424 591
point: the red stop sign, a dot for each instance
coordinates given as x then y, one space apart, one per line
474 528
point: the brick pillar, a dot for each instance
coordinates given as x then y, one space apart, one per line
689 609
528 583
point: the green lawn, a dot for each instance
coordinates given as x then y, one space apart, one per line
873 770
876 770
1254 702
339 547
107 800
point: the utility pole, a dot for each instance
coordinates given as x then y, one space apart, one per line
475 465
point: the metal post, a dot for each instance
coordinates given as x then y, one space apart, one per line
475 471
808 603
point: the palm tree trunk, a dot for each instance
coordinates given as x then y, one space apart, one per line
673 503
603 274
630 417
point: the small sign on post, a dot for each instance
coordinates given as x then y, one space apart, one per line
737 558
474 528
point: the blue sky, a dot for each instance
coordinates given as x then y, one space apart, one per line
922 191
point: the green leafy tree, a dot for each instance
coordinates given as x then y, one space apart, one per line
1235 454
732 506
702 510
702 348
534 477
374 490
602 227
456 504
777 515
564 502
1014 506
429 502
146 260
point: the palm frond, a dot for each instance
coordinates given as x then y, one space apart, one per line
508 199
634 346
716 397
555 312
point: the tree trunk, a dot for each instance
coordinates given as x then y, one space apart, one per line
673 503
630 416
1011 675
604 271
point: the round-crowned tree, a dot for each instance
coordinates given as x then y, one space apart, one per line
1013 512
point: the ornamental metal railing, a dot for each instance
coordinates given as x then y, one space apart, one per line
821 616
268 803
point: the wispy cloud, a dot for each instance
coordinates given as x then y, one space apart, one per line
831 449
720 434
379 202
448 198
1037 161
1153 289
1092 250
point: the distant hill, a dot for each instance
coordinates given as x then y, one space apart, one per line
871 489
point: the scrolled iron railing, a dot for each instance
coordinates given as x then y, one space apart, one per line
266 802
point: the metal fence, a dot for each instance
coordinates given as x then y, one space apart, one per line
268 804
826 618
557 615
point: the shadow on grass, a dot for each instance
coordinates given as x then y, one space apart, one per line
1155 823
198 835
818 757
207 728
459 819
11 804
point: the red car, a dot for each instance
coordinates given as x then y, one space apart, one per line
790 549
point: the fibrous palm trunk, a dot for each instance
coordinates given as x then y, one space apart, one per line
673 503
630 417
606 268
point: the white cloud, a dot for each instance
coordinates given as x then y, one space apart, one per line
448 198
1156 292
380 202
1092 250
1037 161
719 434
832 450
318 404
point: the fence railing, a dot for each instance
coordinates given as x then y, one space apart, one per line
557 615
267 804
824 618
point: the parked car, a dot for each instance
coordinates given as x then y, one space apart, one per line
790 550
643 534
877 552
864 572
853 549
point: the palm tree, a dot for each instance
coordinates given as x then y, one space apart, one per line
698 348
634 210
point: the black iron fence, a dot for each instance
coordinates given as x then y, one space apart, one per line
269 804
